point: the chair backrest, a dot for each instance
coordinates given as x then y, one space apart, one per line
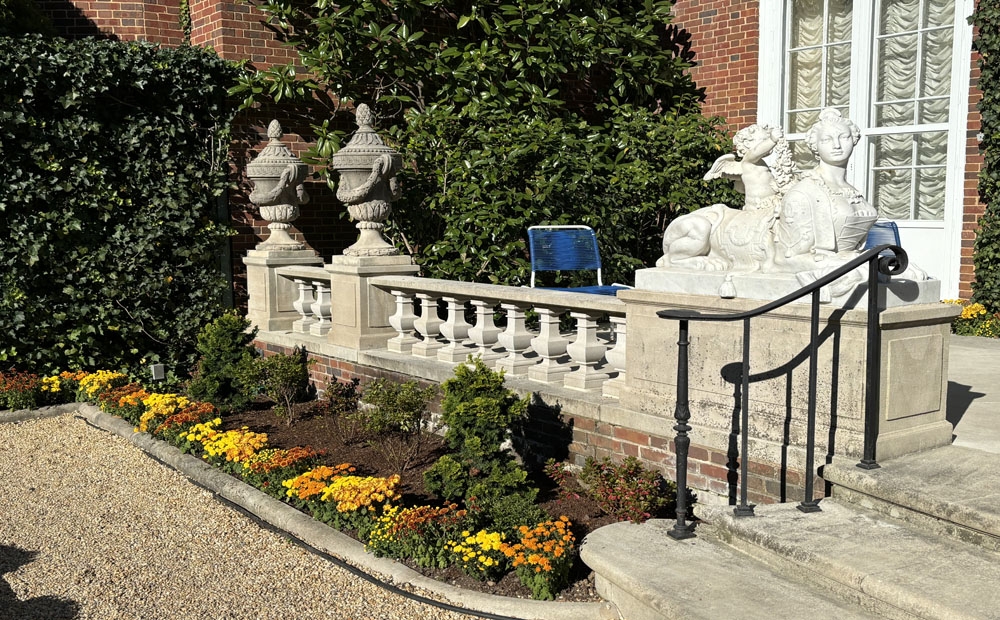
882 232
563 248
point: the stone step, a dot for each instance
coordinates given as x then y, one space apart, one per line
952 491
650 576
886 567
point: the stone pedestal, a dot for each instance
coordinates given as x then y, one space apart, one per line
270 306
914 371
360 312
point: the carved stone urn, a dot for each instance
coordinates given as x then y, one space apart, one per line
368 184
277 176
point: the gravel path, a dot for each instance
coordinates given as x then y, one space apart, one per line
92 528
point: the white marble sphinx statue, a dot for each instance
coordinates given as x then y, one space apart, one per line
794 226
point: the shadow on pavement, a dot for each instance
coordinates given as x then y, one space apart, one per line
42 607
959 398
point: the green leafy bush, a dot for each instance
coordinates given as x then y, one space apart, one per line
513 115
391 415
225 375
113 160
627 490
986 256
285 379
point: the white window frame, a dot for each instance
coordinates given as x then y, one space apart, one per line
772 84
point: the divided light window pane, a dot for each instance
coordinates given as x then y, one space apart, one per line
911 50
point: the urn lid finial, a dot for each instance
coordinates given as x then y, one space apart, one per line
364 145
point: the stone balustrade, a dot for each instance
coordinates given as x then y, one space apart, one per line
520 330
313 302
505 332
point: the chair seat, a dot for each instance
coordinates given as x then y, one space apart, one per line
607 289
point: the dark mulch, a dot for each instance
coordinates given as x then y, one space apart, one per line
320 433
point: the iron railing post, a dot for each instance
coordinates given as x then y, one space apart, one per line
809 504
744 509
873 370
682 414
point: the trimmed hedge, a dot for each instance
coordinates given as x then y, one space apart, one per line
986 256
113 157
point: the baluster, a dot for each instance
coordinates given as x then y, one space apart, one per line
456 331
587 351
485 332
550 346
429 326
402 321
515 339
616 359
321 308
303 305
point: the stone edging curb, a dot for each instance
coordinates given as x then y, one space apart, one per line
311 531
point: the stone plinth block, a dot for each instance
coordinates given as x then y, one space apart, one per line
768 287
914 358
270 306
360 312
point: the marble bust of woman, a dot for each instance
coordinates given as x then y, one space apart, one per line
823 215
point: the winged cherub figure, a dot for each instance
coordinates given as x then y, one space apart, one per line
761 183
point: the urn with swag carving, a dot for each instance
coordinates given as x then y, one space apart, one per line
277 176
368 184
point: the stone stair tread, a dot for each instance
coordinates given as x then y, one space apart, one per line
928 483
652 576
896 565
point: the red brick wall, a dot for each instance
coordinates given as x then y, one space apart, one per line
974 164
724 39
151 20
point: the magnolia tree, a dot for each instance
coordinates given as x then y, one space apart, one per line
511 114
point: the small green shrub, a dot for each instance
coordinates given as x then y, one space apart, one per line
339 405
627 490
479 412
285 379
225 372
391 415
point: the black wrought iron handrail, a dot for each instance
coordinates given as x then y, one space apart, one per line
887 260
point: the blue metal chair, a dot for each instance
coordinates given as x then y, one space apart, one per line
882 232
567 248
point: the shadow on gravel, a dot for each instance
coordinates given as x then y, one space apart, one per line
42 607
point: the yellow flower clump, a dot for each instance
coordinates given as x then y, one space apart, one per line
51 384
352 493
315 481
101 381
480 550
157 406
236 446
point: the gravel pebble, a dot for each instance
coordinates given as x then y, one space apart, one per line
92 528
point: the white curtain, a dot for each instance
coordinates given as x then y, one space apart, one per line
912 87
912 51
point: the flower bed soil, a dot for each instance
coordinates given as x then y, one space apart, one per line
320 433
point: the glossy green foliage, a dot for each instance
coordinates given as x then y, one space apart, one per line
113 157
512 114
986 257
23 16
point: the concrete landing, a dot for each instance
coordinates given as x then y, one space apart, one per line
885 566
650 576
950 490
